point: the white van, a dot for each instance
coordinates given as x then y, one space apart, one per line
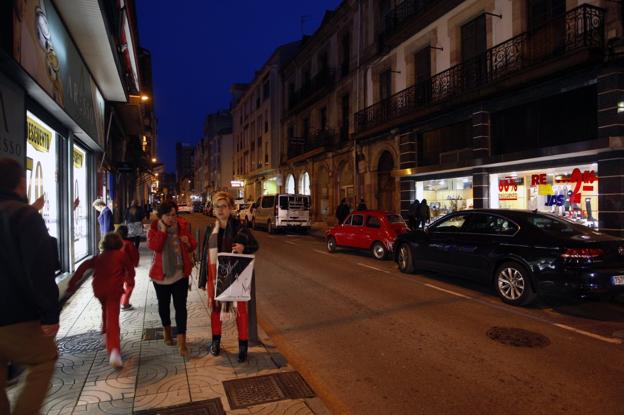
281 212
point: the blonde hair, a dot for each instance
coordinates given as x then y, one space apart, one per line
223 196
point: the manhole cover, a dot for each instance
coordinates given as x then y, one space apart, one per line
242 393
209 407
157 333
91 341
517 337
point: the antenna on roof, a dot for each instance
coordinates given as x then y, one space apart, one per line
302 20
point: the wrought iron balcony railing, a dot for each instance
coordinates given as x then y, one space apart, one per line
312 88
580 28
319 138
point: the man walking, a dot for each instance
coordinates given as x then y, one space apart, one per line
29 307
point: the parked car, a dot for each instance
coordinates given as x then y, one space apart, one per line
521 253
238 207
197 207
247 215
184 209
283 211
371 230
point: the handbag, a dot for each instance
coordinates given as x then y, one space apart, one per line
234 276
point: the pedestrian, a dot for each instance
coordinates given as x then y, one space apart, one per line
133 255
29 306
342 211
227 235
172 242
134 220
413 215
111 268
424 213
362 205
105 219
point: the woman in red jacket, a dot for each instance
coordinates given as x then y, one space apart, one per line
171 240
110 269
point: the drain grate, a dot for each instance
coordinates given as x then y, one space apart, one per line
517 337
242 393
91 341
208 407
157 333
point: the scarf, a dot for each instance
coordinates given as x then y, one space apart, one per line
227 308
172 255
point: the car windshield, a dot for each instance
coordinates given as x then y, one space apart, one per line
554 225
395 219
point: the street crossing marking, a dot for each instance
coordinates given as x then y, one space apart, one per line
322 252
448 291
592 335
376 269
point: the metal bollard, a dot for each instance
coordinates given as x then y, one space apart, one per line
251 314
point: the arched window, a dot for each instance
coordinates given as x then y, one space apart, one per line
290 184
304 184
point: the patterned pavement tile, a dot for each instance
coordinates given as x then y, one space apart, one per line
119 407
61 399
72 370
290 407
160 374
161 400
259 362
154 348
108 390
103 371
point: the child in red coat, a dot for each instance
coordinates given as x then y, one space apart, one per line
110 269
129 247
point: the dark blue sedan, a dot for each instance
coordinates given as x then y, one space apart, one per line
521 253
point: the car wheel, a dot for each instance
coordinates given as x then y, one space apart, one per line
379 251
331 244
513 284
404 259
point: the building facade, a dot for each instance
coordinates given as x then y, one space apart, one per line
63 93
501 104
256 116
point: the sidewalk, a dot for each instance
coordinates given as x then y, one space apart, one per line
154 375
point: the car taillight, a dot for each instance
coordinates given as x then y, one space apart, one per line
582 253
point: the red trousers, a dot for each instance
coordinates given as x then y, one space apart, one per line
242 320
128 287
110 320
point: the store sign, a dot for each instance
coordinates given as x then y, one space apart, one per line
12 116
237 183
39 136
508 188
78 158
581 180
44 48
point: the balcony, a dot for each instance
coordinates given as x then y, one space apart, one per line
579 29
319 139
311 90
403 12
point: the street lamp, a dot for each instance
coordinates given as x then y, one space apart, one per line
154 160
142 97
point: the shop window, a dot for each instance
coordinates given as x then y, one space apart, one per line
81 204
570 192
42 171
446 195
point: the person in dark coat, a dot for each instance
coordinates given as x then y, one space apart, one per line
29 304
342 211
425 213
134 220
362 205
105 219
413 215
227 235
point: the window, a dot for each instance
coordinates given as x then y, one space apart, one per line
304 184
422 65
266 126
373 222
385 84
473 38
346 54
306 129
357 220
452 224
323 116
541 11
290 184
344 128
553 225
490 224
268 201
266 90
81 212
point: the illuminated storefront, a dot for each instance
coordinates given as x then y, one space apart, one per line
446 195
570 192
81 204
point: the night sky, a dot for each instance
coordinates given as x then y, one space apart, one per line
201 47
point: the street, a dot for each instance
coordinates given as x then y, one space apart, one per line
372 340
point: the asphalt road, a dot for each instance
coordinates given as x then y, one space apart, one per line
371 340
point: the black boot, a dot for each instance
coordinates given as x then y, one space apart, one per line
215 346
242 350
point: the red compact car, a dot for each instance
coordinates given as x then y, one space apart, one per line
372 230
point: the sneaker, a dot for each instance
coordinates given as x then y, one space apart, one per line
115 359
127 307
